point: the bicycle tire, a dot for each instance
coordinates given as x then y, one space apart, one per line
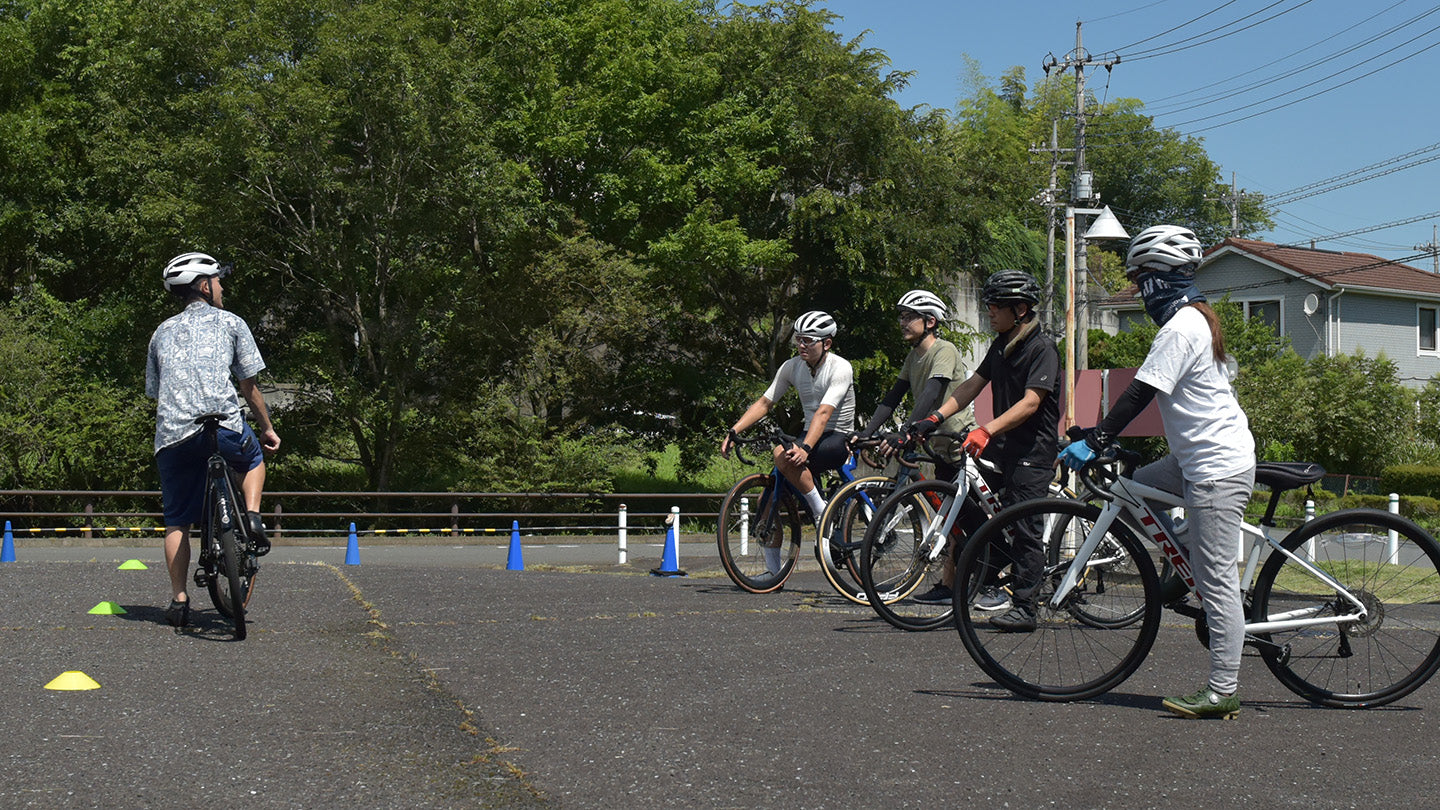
746 522
842 533
1065 658
895 556
247 583
1380 659
226 588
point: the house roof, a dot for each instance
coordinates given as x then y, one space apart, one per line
1327 269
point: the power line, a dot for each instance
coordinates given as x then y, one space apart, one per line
1312 84
1175 109
1246 74
1318 191
1161 50
1300 189
1171 30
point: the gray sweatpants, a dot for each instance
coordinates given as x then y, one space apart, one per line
1213 512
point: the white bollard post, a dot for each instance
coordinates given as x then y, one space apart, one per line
675 522
624 552
1394 546
1309 516
744 526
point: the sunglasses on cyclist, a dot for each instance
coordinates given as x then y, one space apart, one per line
806 342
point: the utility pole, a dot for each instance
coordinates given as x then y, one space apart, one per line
1232 201
1082 187
1050 198
1433 248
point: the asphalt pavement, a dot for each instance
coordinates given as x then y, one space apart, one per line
429 676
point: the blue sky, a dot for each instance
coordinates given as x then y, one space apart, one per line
1294 141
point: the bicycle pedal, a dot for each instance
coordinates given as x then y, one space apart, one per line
202 578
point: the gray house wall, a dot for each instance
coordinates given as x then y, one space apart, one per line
1376 323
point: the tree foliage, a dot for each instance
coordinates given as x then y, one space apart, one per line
473 235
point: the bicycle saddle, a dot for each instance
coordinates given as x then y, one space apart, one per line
1283 475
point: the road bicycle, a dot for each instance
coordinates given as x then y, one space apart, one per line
1344 609
912 533
850 509
228 559
765 510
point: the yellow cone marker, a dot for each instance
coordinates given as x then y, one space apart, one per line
133 565
74 680
107 609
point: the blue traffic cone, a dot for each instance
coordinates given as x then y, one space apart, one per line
670 560
516 560
352 551
7 554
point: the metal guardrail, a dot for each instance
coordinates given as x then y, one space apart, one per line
465 515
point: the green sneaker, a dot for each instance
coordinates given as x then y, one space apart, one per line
1205 704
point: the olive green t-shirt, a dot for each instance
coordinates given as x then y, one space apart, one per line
942 360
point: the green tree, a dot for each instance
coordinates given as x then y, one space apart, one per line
63 424
1362 412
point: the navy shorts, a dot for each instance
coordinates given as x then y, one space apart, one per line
182 470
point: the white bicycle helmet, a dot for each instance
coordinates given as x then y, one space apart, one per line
188 268
815 324
1165 246
924 302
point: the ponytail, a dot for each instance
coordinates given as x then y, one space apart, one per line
1217 339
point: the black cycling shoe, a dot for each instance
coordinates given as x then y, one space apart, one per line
1018 619
178 613
255 528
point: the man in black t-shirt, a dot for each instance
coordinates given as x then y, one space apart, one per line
1022 367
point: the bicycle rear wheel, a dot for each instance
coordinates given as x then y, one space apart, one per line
898 554
1392 569
842 533
751 520
1070 655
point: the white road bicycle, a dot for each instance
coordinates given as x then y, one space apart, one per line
1344 610
911 535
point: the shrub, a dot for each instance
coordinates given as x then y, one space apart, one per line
1411 479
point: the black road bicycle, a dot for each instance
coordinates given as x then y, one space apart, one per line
228 554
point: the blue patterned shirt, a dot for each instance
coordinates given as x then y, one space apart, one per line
188 370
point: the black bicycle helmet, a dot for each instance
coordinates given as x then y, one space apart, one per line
1010 286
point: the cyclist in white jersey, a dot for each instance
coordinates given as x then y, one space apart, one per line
1212 453
825 383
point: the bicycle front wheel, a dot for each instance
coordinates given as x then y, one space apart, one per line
227 587
1063 535
1094 638
759 533
903 548
842 533
1378 575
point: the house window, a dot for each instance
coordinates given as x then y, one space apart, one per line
1265 311
1427 328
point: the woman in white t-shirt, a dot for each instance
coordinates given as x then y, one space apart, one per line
1212 454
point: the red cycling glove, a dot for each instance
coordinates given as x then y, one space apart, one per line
976 441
